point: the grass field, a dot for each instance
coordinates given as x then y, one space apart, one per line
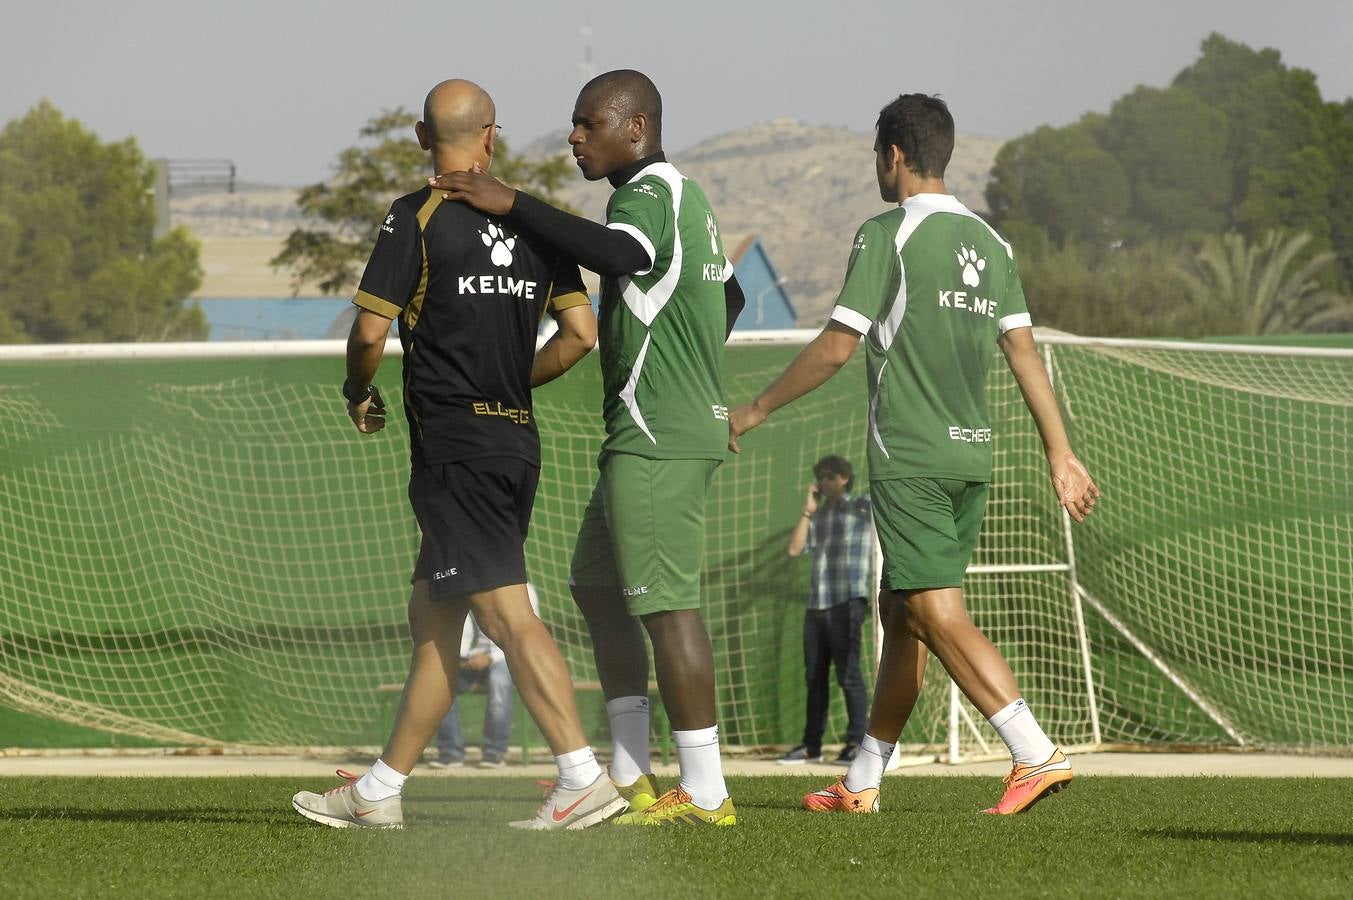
1113 837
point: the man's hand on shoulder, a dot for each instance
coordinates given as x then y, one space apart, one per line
1076 490
482 191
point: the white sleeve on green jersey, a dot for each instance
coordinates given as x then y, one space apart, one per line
1014 307
869 276
644 214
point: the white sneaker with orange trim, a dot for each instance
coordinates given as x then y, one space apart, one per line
1026 785
566 809
343 807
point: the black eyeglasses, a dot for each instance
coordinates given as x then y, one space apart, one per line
492 125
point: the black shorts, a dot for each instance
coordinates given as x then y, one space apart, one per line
474 515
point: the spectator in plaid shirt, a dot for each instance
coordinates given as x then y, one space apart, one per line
837 528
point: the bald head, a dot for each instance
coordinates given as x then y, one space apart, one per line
629 93
456 112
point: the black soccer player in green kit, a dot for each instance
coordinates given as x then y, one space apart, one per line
668 302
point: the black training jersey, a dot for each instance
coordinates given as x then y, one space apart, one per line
469 296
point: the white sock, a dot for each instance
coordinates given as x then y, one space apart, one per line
701 768
866 770
381 782
577 769
1018 728
629 731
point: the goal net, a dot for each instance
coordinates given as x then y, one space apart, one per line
1218 583
196 547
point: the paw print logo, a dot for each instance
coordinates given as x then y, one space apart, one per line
972 265
496 238
713 228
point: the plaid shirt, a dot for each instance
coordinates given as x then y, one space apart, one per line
840 535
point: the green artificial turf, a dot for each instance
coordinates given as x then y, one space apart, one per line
1106 837
20 729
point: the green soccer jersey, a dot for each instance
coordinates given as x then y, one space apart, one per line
661 330
931 286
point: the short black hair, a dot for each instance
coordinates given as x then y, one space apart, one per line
631 92
835 465
922 128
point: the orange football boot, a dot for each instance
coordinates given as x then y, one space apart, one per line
839 798
1026 785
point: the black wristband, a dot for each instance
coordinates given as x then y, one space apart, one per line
361 397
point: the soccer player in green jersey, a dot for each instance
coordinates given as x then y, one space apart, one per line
933 290
668 302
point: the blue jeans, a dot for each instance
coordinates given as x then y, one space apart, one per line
832 637
497 683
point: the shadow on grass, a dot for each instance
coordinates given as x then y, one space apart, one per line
473 795
202 816
1310 838
215 816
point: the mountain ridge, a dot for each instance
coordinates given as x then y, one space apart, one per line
803 189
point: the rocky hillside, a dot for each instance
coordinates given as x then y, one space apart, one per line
804 189
252 211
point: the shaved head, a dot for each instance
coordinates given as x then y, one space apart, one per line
457 112
629 93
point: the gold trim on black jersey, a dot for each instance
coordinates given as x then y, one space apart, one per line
570 300
377 305
415 307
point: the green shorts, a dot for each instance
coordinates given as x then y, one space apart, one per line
643 532
928 528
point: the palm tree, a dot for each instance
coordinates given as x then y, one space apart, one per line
1266 287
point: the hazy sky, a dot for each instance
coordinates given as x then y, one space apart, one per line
279 87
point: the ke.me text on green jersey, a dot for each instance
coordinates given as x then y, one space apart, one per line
931 286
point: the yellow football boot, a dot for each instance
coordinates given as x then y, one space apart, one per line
676 808
640 795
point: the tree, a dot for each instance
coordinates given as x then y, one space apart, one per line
1271 113
1172 147
1114 292
1292 196
347 209
1339 152
1238 142
1270 286
1061 180
78 261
